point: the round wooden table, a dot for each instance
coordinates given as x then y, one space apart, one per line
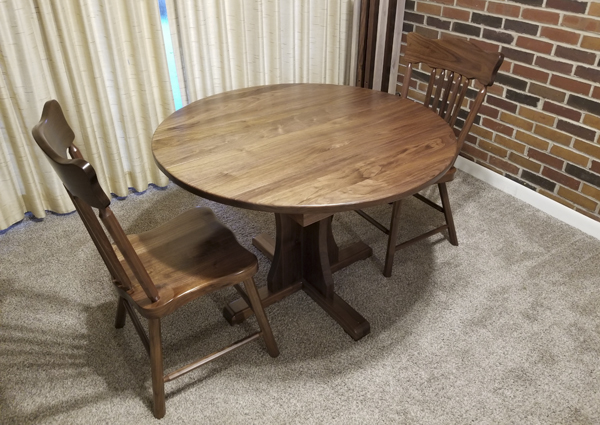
304 152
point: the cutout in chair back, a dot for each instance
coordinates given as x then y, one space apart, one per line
54 136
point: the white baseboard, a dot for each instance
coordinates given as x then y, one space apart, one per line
563 213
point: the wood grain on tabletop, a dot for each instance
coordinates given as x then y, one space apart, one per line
303 148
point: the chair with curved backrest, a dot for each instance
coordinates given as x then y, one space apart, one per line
156 272
452 64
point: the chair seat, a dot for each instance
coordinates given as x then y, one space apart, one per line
189 256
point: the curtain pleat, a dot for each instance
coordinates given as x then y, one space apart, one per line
28 182
104 61
228 44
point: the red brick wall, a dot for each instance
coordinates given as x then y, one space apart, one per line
541 120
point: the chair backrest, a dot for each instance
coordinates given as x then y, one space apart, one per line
55 137
454 64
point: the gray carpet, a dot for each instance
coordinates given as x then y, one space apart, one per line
504 328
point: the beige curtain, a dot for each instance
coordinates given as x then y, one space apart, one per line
104 61
222 45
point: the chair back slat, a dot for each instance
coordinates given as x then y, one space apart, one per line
133 260
461 90
55 137
406 81
450 100
438 87
430 86
446 85
86 213
98 235
445 104
455 64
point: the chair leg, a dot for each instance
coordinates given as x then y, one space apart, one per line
393 235
448 213
261 317
156 365
121 314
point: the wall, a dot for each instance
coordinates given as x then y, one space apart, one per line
540 123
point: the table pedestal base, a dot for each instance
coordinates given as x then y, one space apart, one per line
306 257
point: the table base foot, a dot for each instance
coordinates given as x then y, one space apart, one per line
237 311
349 319
265 244
350 254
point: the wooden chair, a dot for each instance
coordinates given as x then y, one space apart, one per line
454 64
160 270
